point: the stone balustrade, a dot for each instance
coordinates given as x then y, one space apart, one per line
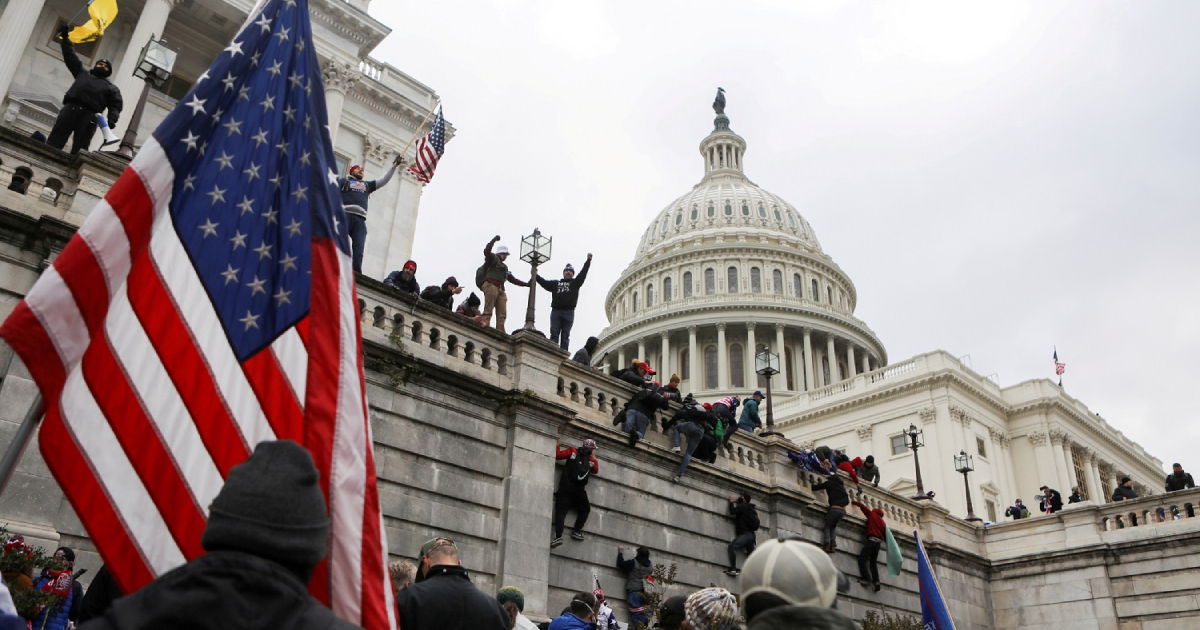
39 181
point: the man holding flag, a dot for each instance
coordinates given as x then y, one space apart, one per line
208 305
89 95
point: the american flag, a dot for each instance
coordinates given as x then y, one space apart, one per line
208 304
1059 367
430 149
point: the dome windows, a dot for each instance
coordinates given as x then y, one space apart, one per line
815 290
755 280
762 212
710 281
745 209
665 225
635 301
737 366
679 217
777 282
666 295
797 285
695 213
778 217
712 210
791 219
728 209
649 295
829 295
732 279
710 367
687 284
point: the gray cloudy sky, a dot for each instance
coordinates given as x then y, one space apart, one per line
996 178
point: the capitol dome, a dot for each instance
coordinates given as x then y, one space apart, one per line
725 271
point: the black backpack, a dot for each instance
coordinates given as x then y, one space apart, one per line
577 470
752 519
480 274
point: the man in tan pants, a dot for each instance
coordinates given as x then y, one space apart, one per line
494 277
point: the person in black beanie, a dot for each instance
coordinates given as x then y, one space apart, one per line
90 93
267 530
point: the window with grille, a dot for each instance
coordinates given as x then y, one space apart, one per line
991 509
755 280
710 281
737 367
1077 461
777 282
710 367
899 444
732 278
687 284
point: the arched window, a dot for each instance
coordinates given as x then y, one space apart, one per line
666 290
762 380
710 367
685 364
710 281
755 280
731 278
712 210
695 212
777 281
687 284
665 225
649 295
679 217
728 209
635 301
745 209
778 217
737 368
762 212
797 285
791 220
791 368
815 290
829 295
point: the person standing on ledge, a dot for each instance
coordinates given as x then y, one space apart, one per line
562 304
355 192
90 94
494 274
1179 480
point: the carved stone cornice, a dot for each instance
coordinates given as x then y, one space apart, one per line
1060 437
750 325
1037 437
780 327
961 415
340 76
692 330
864 432
997 435
808 446
928 415
721 326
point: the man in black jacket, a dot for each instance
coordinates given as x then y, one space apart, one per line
1179 480
405 280
745 523
562 304
90 94
443 296
1124 491
443 597
640 410
1051 501
835 491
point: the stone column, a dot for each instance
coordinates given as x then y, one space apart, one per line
1095 489
695 379
16 27
340 77
1069 462
1044 458
151 23
664 359
753 343
1006 443
835 375
722 357
641 355
1001 477
621 364
783 364
808 359
866 362
850 360
1056 442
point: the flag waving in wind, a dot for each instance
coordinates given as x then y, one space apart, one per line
102 13
430 150
934 614
208 304
1059 367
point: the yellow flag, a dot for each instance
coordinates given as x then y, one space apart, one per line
103 12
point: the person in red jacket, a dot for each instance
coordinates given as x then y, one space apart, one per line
572 488
844 464
868 558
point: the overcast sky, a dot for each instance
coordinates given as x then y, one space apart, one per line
996 178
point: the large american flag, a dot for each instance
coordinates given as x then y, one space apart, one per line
430 149
208 304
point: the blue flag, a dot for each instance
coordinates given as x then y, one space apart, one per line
934 614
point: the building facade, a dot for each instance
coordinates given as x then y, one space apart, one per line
729 270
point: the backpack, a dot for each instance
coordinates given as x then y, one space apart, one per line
578 470
480 274
753 521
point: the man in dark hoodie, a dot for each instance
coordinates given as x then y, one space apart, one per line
443 296
405 280
636 569
562 304
267 530
1051 501
1179 480
580 465
90 94
584 355
1125 491
745 523
790 584
835 491
443 597
640 410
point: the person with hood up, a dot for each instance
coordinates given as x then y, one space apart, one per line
789 584
868 471
443 296
405 280
1124 491
750 421
495 274
267 530
355 192
844 464
564 297
584 355
580 615
90 94
469 308
1179 480
835 491
580 465
443 597
1051 500
514 595
745 524
868 558
638 570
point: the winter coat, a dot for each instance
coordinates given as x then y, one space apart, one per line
1052 502
743 517
218 590
835 490
807 617
438 295
569 621
868 473
637 570
1017 512
100 595
568 479
1075 498
750 420
631 376
89 91
565 292
1120 493
56 616
400 284
1179 482
447 600
582 356
497 271
875 524
648 401
849 469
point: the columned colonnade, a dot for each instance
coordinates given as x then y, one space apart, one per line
1097 476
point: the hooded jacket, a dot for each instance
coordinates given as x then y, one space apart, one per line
1122 493
750 420
807 617
447 600
439 295
565 292
868 472
876 527
89 91
743 517
638 569
835 490
584 354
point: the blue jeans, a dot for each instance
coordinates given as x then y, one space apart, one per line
357 230
744 541
635 419
694 435
561 322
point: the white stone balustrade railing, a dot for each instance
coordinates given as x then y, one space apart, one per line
370 69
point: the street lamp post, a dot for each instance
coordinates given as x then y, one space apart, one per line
766 364
535 250
914 436
963 464
154 67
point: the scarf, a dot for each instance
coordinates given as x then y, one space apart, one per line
59 583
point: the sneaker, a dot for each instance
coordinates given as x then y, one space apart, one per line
633 438
676 450
556 542
864 584
732 572
676 478
577 535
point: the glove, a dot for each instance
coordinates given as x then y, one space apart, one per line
64 32
399 161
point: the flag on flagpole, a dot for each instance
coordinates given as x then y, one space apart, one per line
934 614
430 150
102 13
1059 367
208 304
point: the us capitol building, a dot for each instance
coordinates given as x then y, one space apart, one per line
728 270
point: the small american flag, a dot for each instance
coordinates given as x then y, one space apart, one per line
207 304
1059 367
430 150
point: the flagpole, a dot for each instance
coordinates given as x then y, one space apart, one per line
419 128
85 8
17 447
